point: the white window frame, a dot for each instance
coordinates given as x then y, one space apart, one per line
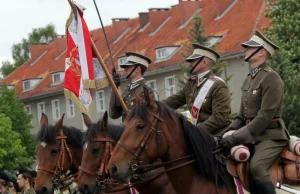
160 52
69 106
154 89
121 61
168 93
53 78
39 111
28 110
55 117
99 110
27 81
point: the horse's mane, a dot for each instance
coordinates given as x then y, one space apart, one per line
200 143
74 135
114 132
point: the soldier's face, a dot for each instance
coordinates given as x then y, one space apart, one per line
21 181
199 67
249 51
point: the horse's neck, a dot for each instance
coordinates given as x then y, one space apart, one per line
184 179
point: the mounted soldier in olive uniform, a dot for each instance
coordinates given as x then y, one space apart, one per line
259 119
206 95
135 67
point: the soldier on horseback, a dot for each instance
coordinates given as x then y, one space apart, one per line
259 119
135 67
206 95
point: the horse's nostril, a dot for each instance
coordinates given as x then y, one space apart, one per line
44 189
114 170
84 189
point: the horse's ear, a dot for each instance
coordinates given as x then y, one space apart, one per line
102 124
87 121
44 121
151 103
138 98
59 124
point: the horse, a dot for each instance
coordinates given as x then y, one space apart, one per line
59 152
185 150
100 139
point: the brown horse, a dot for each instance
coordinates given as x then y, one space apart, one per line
59 151
98 139
185 150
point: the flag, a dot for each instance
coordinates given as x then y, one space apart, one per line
82 69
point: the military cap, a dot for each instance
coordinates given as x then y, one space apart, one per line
202 51
259 40
21 171
4 177
136 58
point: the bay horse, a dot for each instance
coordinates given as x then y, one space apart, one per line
185 150
59 152
100 139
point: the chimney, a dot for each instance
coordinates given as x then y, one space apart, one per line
119 25
60 43
222 5
144 19
188 8
36 50
157 16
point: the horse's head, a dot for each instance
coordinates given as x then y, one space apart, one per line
96 152
142 140
52 157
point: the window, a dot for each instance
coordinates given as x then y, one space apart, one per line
55 109
152 84
213 40
40 109
57 77
26 85
27 109
161 53
70 108
170 86
100 101
121 61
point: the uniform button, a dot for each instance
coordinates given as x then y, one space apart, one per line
245 116
246 100
246 108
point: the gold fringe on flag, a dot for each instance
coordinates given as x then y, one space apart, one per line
100 84
69 94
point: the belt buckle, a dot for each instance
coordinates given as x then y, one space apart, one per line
248 121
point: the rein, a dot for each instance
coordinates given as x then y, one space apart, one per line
60 176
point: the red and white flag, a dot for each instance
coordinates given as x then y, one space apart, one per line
82 68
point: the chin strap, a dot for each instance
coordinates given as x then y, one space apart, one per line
256 51
128 76
193 68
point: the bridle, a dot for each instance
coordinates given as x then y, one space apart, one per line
60 173
101 172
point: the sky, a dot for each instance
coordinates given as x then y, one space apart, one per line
19 17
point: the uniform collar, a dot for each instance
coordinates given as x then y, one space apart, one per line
201 75
136 83
255 71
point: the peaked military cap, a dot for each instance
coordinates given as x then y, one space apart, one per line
136 58
202 51
259 40
4 177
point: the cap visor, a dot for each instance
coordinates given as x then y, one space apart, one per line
193 57
250 43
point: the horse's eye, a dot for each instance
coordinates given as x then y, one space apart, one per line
95 150
140 126
54 151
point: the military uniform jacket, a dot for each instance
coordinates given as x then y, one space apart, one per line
115 109
29 191
261 105
215 111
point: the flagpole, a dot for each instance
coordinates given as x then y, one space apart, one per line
110 80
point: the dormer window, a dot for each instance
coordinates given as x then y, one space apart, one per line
121 61
29 84
57 77
213 40
165 52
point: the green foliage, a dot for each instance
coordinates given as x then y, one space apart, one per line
21 50
13 108
12 154
285 32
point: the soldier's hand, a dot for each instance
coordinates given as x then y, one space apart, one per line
116 77
228 142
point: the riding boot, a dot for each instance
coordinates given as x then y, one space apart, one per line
264 187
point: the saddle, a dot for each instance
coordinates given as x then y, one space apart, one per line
286 169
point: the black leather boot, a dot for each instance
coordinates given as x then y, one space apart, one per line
264 188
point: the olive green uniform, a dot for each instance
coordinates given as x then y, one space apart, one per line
29 191
261 111
215 111
128 95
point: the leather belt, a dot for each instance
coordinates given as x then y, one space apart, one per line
273 124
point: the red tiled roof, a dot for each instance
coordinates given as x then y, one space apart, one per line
237 25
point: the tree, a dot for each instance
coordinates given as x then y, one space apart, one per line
12 154
13 108
285 32
21 50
